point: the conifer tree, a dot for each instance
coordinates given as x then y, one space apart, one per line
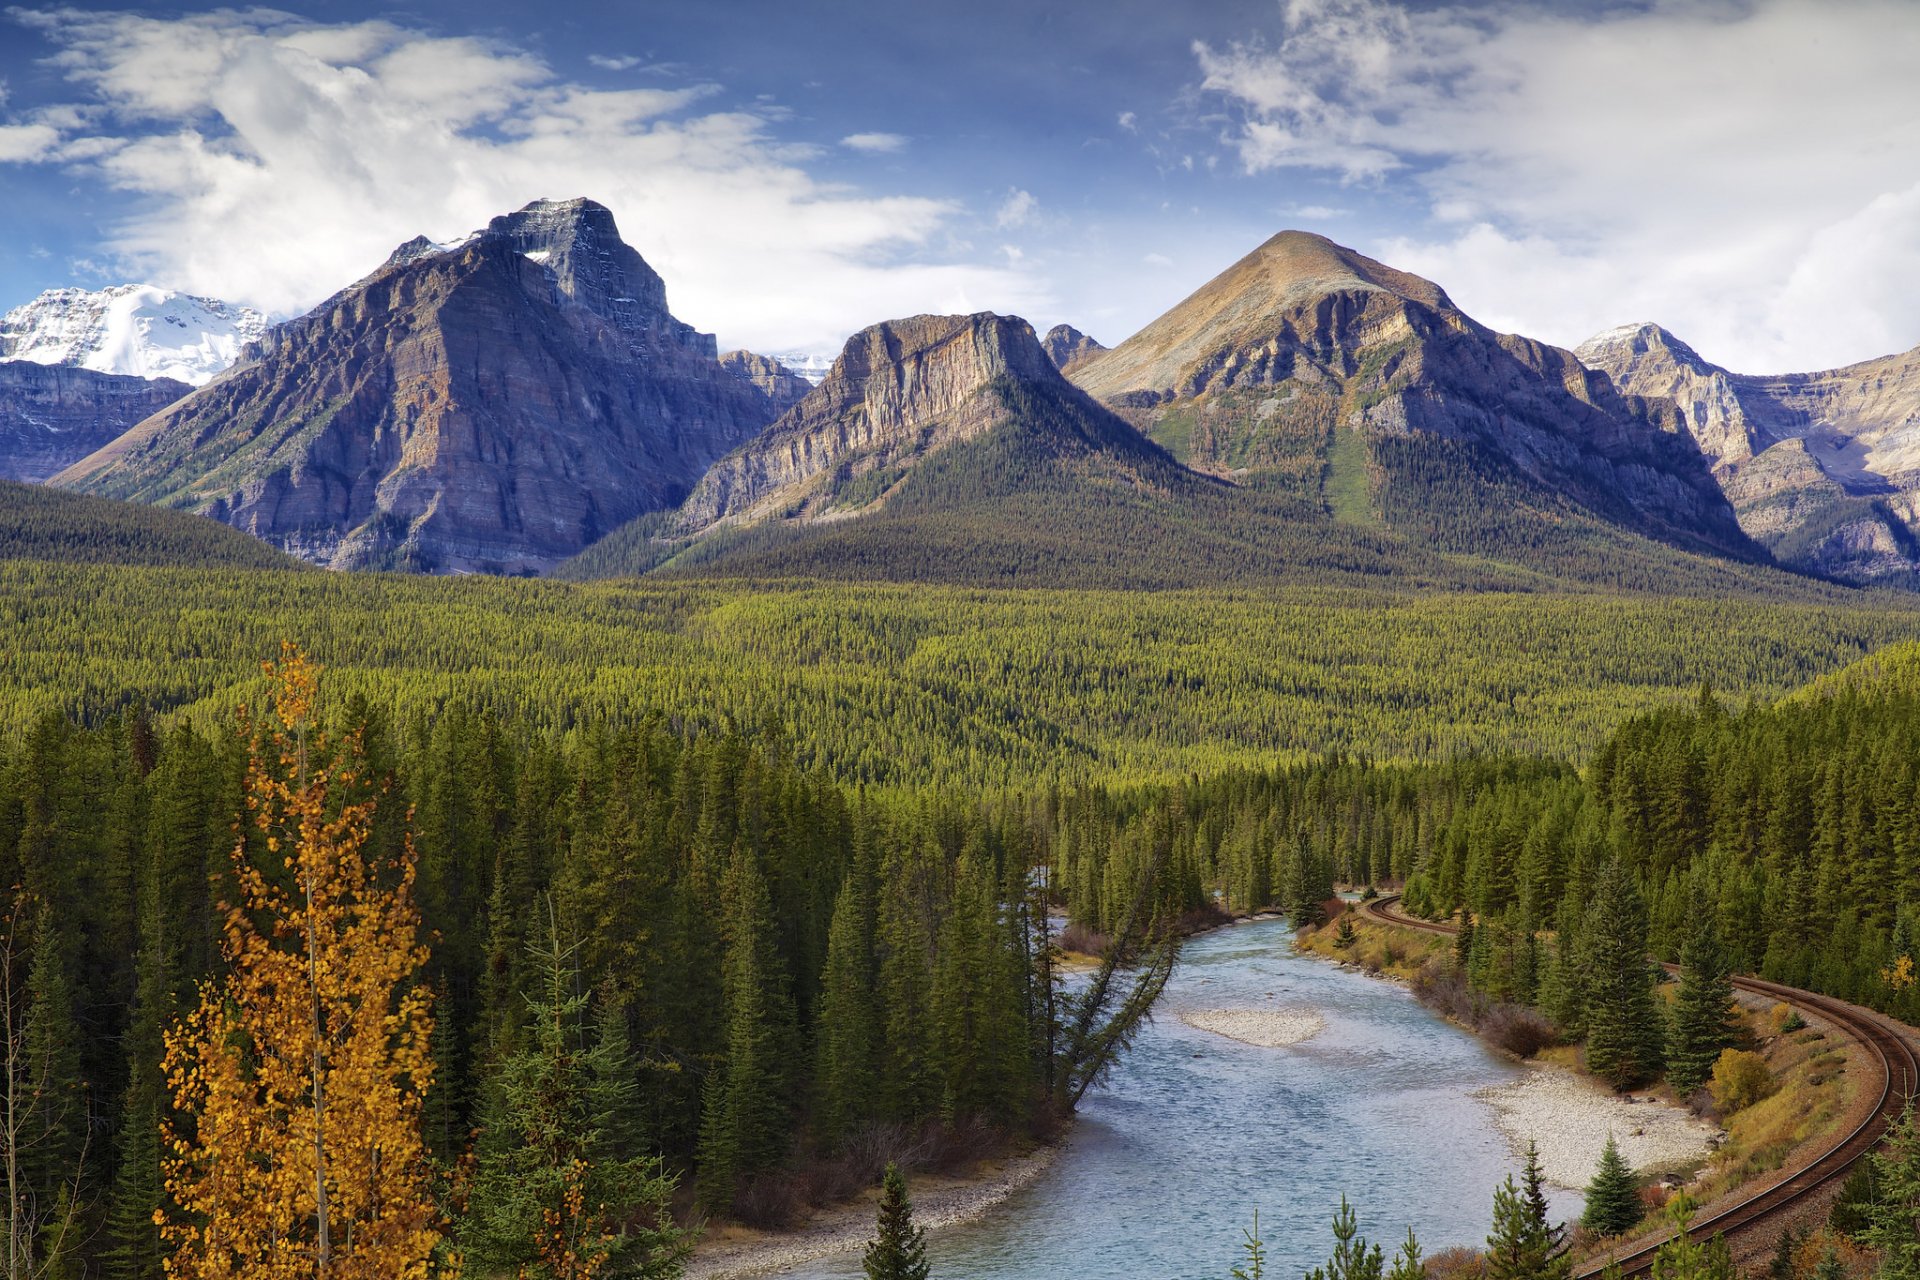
745 1119
1613 1197
1353 1258
1624 1025
1407 1262
1684 1258
898 1250
1893 1220
557 1193
977 1019
297 1082
1524 1245
1256 1250
1703 1008
848 1037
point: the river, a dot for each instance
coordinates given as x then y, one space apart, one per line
1193 1132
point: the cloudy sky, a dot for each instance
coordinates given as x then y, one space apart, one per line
1746 172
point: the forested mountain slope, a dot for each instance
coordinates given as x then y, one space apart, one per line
38 523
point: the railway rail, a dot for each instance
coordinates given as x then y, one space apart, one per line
1888 1053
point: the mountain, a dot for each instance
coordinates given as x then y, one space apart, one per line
38 523
1821 468
1066 346
1310 369
950 449
493 405
53 415
782 387
136 329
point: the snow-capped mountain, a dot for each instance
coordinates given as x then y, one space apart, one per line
810 365
137 329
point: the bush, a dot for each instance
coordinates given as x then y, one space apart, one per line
1519 1030
1740 1079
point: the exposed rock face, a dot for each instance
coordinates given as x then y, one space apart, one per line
1066 346
135 329
53 415
1646 360
1341 377
1823 468
899 392
490 406
782 387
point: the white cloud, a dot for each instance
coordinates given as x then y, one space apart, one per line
1157 260
274 160
26 143
1743 173
1129 121
882 142
621 62
1016 210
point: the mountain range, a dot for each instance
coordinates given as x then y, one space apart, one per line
139 330
1822 468
523 401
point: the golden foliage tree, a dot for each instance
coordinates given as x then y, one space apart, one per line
297 1082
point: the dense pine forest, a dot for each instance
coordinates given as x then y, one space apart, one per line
918 686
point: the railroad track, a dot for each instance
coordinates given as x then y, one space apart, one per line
1888 1054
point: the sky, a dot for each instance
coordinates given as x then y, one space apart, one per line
1745 172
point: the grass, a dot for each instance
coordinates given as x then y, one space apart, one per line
1348 489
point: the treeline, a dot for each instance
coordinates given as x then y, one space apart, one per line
790 974
927 686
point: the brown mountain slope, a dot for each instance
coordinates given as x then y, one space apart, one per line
1311 368
491 406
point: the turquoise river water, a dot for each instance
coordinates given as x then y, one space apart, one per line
1194 1131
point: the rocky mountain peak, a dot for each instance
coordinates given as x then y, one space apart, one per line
1066 346
901 389
782 387
1296 264
489 405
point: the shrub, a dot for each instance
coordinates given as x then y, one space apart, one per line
1740 1079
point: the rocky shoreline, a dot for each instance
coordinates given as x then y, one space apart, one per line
938 1201
1569 1118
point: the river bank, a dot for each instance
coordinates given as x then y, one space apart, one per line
735 1253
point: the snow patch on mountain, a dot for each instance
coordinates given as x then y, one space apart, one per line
809 365
137 329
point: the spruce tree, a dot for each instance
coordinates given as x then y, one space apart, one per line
898 1250
847 1034
1524 1245
1624 1027
1893 1221
1703 1010
1613 1197
1353 1258
1256 1250
559 1190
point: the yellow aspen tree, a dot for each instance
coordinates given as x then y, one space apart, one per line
297 1083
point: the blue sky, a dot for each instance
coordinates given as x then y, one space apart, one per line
1745 171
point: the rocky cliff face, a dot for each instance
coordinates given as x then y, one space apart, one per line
51 416
899 392
493 406
1823 468
782 387
1066 346
1345 380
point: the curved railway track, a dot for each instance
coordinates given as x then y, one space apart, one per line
1888 1054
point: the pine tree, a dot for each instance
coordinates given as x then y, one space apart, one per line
978 1025
1352 1258
1703 1008
1407 1262
554 1195
1613 1197
1893 1221
898 1250
1256 1250
847 1034
1624 1025
1684 1258
298 1080
745 1120
1524 1245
